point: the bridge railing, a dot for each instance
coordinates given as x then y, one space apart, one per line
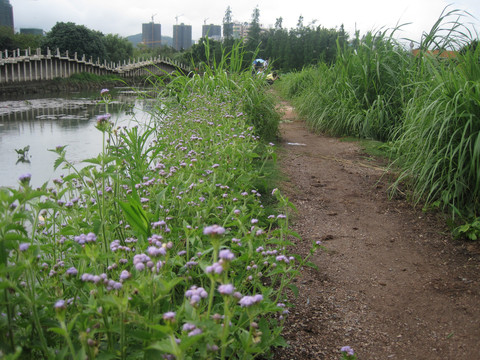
28 65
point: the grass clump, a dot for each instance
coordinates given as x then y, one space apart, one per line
424 105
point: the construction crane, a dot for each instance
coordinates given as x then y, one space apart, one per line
205 21
153 17
176 18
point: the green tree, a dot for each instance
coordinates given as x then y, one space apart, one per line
253 40
6 38
25 41
76 38
199 51
228 24
117 48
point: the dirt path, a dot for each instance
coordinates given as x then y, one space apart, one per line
391 284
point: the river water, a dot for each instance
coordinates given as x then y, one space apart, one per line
39 124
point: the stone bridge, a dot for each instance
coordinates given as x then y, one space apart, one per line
16 67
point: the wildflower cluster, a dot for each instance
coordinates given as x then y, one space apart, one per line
159 242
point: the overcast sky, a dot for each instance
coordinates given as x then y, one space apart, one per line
125 17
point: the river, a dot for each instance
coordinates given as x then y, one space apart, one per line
39 124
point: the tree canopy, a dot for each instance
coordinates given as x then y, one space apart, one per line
76 38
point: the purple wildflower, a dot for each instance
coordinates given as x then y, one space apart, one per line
247 300
226 289
195 294
140 266
348 350
169 316
83 239
124 275
23 247
283 258
72 271
213 230
188 327
25 178
212 348
195 331
216 268
103 118
60 304
226 255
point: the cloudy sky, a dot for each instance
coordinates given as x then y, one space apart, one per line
125 17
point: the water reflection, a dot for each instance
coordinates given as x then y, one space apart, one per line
43 124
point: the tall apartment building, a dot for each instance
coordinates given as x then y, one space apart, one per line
152 34
6 14
182 37
240 30
212 31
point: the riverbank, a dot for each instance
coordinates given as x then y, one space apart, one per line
75 83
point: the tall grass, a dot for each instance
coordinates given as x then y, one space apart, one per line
427 106
439 141
362 94
230 74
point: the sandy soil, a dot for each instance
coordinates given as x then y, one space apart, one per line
391 282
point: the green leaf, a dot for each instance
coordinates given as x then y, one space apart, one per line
58 161
106 356
95 161
141 335
136 216
189 341
58 331
294 289
161 329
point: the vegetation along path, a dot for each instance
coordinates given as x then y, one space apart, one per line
391 283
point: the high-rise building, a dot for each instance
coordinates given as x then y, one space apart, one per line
6 14
240 30
182 37
212 31
152 34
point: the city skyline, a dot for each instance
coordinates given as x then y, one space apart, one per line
125 18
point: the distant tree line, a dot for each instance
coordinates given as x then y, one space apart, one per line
72 38
287 49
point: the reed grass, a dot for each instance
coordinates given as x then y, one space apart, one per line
425 106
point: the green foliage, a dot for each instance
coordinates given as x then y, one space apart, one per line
229 73
117 48
91 78
114 260
6 38
426 107
206 47
228 24
287 49
470 230
361 94
76 38
439 142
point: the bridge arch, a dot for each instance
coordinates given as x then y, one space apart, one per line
17 66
